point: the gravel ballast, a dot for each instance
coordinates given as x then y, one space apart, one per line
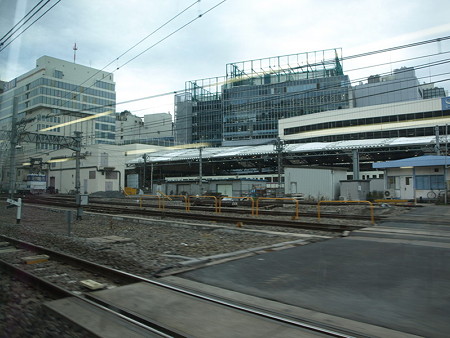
152 245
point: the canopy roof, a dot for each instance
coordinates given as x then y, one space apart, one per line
226 152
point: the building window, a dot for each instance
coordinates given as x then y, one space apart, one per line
111 175
58 74
430 182
92 175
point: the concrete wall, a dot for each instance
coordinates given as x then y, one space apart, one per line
158 125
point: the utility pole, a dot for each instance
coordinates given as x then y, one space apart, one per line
151 177
279 147
200 171
143 171
355 156
438 143
12 156
77 149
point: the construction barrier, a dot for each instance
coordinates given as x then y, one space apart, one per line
216 203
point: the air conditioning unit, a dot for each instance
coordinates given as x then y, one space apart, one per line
389 193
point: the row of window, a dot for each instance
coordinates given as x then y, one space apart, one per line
45 118
109 175
413 132
108 119
105 135
272 127
72 88
42 126
46 100
422 182
298 106
105 127
366 121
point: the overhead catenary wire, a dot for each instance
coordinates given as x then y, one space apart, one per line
142 40
10 33
174 92
175 31
23 31
305 92
397 104
311 116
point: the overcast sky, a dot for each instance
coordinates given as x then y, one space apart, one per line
236 30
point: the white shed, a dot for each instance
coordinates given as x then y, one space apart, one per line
314 182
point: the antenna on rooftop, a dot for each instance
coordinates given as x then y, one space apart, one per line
74 52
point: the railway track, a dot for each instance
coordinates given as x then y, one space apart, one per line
210 216
243 208
149 299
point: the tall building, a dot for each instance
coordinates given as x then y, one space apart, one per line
244 106
400 86
199 112
56 92
260 92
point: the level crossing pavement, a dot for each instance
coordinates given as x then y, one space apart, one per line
392 276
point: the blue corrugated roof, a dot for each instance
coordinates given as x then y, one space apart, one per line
420 161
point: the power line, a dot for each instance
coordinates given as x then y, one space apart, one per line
414 44
156 30
30 24
7 33
175 31
175 92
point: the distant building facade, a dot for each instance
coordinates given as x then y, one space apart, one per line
402 119
158 126
53 95
244 106
429 91
151 129
57 92
400 86
129 128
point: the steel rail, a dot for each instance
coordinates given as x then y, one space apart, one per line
237 210
212 217
146 323
35 281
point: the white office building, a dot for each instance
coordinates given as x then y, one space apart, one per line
48 99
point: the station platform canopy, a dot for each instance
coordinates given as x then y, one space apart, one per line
171 155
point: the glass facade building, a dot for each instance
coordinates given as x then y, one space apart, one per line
244 106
